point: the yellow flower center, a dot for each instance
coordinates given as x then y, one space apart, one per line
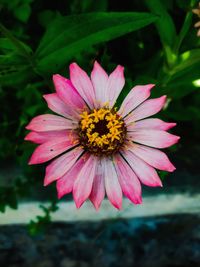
101 131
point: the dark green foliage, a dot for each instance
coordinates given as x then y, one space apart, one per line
42 222
154 39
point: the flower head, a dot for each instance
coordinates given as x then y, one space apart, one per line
103 150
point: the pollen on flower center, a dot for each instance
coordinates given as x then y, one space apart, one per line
101 131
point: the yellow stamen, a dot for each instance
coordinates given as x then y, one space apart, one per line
101 130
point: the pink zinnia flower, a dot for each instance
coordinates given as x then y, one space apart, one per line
104 150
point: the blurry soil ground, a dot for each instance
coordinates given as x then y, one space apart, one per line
166 241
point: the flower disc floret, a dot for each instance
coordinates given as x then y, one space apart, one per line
102 131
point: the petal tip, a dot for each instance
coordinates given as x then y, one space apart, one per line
117 205
121 68
73 65
138 201
27 127
176 139
59 195
96 63
171 125
26 138
46 182
172 168
78 204
151 85
96 206
32 161
56 77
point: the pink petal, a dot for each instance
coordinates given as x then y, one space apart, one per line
137 95
57 105
156 124
51 149
49 122
146 109
68 94
42 137
82 83
83 184
65 183
57 168
112 186
129 182
153 157
116 82
154 138
99 80
144 172
98 188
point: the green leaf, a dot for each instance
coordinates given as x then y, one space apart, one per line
21 47
10 60
67 36
165 27
181 79
164 24
186 60
19 75
188 5
23 12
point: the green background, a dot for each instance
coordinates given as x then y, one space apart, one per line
154 39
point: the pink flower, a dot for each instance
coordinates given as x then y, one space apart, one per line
104 150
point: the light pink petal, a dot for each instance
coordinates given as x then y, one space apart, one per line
57 105
65 183
82 83
146 174
99 80
57 168
156 124
112 186
146 109
51 149
153 157
42 137
49 122
154 138
116 82
129 182
68 94
137 95
98 188
83 184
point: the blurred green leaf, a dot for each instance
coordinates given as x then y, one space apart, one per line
21 9
164 24
47 16
11 59
23 12
13 76
165 27
181 83
186 24
184 30
41 223
186 60
67 36
21 47
8 197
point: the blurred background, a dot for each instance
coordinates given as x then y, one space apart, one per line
156 42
